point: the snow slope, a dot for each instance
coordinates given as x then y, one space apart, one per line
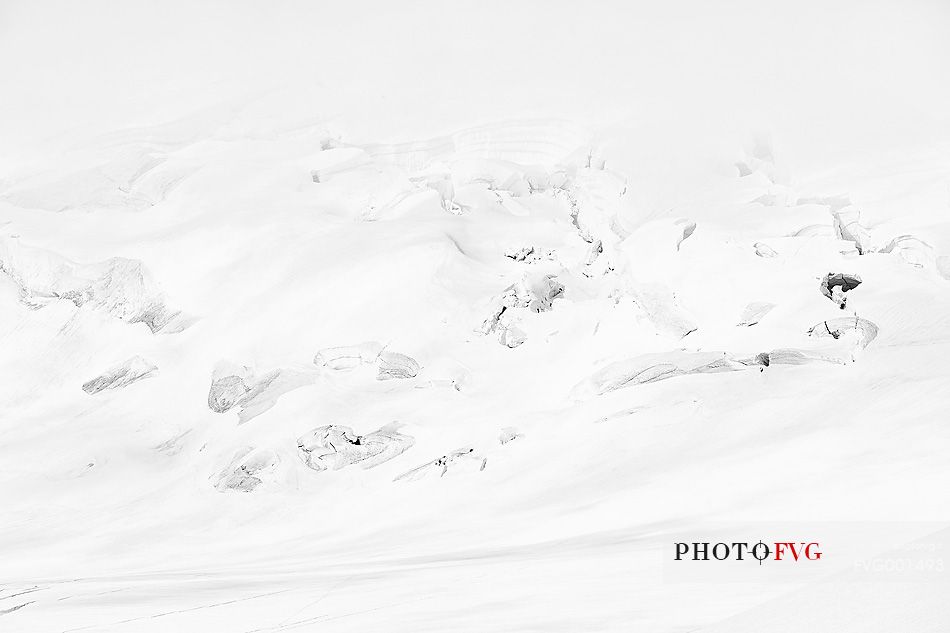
273 360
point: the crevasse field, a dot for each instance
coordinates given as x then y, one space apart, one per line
457 316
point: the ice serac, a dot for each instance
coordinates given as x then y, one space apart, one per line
849 228
532 293
393 365
248 469
335 446
121 287
835 285
862 330
121 375
229 386
239 385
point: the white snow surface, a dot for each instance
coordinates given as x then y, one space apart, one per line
561 308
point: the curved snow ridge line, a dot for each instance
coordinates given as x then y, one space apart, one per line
121 287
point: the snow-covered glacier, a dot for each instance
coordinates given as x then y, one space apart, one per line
455 318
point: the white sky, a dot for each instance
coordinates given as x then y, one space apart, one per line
837 74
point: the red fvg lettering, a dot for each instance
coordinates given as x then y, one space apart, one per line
797 550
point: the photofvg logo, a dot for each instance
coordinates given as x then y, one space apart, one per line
794 551
879 551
